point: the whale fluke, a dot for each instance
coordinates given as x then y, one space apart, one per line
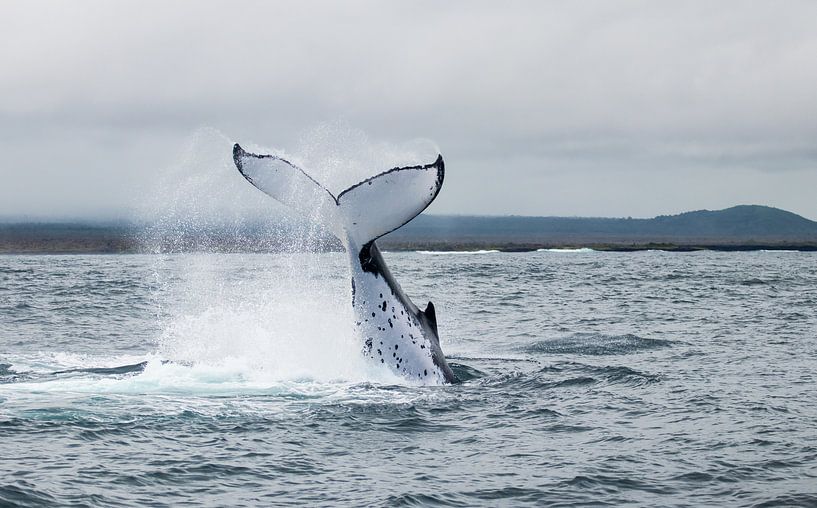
363 212
383 203
287 184
394 332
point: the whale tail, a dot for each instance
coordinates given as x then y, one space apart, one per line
360 214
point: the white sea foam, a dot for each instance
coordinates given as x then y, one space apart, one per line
286 318
583 249
230 376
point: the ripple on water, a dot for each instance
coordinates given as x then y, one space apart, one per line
23 493
462 372
596 344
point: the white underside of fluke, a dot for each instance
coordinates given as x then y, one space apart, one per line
363 212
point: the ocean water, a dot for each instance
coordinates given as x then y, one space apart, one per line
587 378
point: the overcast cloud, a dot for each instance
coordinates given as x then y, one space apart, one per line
541 108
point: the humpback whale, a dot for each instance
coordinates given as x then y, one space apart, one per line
395 333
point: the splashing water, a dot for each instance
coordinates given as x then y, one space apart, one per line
287 318
293 320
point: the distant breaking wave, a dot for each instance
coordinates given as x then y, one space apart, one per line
583 249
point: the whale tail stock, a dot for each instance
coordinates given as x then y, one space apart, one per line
357 215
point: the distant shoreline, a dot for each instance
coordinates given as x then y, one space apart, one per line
127 245
740 228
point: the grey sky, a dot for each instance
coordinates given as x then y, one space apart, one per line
543 108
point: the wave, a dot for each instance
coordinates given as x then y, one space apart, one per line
465 373
160 376
104 371
25 494
596 344
621 375
569 376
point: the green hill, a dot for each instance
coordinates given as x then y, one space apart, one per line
740 225
744 220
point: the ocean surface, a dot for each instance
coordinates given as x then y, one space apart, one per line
587 378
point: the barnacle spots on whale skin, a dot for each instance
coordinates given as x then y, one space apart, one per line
391 325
